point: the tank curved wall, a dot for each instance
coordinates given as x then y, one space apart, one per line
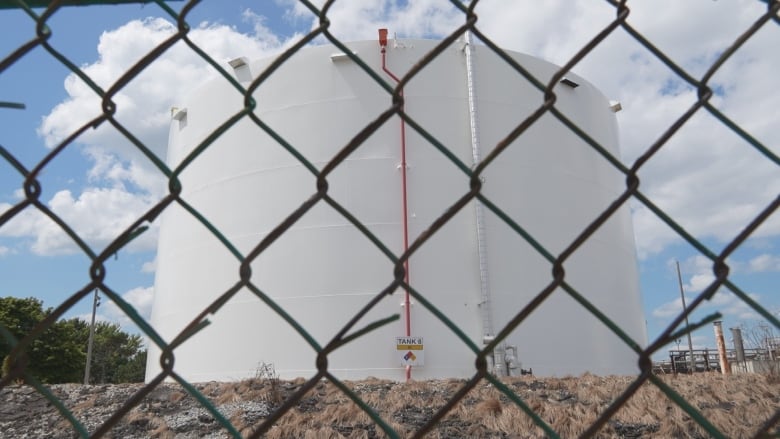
322 270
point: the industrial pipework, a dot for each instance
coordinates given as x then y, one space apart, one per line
407 303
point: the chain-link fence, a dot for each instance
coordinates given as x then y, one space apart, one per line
633 191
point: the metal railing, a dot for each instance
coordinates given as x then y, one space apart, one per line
32 189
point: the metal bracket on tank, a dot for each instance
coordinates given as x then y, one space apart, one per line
241 68
397 45
341 56
178 113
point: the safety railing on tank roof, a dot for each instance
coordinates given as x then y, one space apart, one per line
31 186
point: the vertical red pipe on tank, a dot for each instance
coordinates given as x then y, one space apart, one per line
407 302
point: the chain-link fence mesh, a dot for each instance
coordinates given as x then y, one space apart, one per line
32 189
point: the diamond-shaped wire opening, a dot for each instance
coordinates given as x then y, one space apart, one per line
705 89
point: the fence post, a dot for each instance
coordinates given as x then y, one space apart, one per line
724 362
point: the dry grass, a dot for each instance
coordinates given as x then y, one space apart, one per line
160 429
736 405
489 407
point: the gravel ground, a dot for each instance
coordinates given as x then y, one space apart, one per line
737 406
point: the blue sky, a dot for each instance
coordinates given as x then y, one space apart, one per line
711 181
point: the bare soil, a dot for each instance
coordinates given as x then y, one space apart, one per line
739 406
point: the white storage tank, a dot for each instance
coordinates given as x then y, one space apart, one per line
477 270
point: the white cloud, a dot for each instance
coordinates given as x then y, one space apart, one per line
360 19
4 250
698 271
140 299
97 215
698 268
764 263
149 267
668 309
730 306
697 275
263 35
124 183
699 282
706 178
143 106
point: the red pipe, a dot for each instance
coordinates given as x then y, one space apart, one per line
407 303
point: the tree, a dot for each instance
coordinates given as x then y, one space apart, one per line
134 370
58 355
54 355
18 316
114 355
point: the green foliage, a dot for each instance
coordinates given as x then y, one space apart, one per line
6 366
18 316
133 370
114 355
58 354
53 355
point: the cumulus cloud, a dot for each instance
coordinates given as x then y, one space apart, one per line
97 216
143 106
149 267
123 182
724 302
706 178
360 19
669 309
764 263
139 298
697 275
698 272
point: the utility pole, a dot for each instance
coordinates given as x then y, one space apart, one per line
690 342
95 303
